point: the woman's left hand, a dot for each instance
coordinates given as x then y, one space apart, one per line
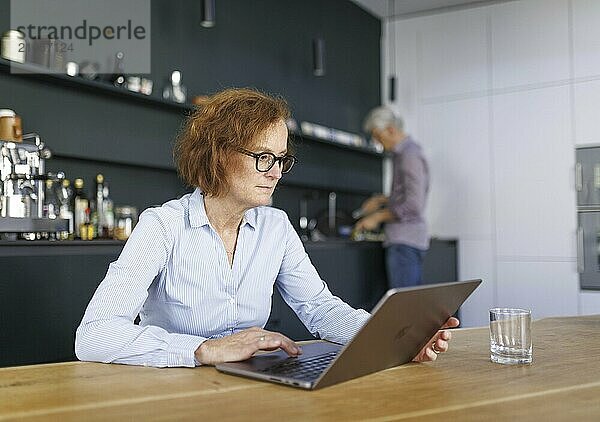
438 343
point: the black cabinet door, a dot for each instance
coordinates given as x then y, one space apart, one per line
42 301
440 262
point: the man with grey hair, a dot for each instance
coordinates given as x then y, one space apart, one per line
402 212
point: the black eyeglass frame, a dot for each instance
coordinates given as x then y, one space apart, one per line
276 159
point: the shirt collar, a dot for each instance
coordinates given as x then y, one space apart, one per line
197 211
198 217
250 217
399 147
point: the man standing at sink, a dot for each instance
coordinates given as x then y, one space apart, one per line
402 212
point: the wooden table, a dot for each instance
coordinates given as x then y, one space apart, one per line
563 383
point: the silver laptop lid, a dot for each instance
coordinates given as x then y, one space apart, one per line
401 324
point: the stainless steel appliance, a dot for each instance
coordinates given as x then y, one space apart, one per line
587 184
22 176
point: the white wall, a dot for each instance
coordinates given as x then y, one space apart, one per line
499 96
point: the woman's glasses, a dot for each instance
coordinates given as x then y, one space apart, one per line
266 160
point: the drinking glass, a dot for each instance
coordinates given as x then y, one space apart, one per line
510 336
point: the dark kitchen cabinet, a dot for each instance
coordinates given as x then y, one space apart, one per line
46 287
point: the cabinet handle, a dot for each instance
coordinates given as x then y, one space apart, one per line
597 176
578 177
580 260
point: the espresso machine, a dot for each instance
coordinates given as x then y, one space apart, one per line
22 181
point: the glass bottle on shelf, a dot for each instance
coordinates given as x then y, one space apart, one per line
50 208
118 76
175 90
65 196
97 217
80 205
51 204
107 231
92 221
86 229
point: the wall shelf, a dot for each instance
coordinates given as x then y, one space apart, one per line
115 162
307 139
42 73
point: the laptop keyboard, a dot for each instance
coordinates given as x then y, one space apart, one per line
309 368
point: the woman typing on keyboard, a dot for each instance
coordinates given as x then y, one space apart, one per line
200 270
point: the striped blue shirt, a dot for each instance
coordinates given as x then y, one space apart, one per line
174 273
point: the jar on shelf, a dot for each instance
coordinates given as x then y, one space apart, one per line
125 220
14 46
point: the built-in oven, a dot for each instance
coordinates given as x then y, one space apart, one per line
587 184
588 250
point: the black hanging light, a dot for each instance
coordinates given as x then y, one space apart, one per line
318 45
392 88
392 51
208 13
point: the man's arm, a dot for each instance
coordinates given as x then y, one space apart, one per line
372 221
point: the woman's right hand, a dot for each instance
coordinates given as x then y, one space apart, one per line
243 345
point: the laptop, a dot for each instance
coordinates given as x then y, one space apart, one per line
401 324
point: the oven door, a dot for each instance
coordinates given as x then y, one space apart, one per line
588 249
587 177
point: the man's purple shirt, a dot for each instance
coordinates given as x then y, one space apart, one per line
408 197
